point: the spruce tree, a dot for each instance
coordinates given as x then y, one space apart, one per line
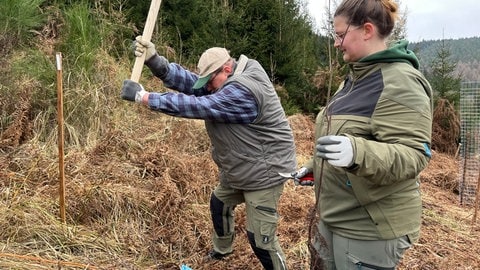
442 77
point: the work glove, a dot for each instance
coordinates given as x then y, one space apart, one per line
303 177
337 150
132 91
157 64
141 47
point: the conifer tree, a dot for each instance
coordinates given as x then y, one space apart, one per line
442 77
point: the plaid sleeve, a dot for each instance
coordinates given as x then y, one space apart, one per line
182 80
230 104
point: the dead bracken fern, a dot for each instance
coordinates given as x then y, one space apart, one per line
443 172
446 128
139 199
20 128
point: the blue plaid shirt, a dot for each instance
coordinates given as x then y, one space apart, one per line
232 103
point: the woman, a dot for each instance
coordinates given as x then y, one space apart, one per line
372 141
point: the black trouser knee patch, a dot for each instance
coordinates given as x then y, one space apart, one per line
219 214
262 254
216 210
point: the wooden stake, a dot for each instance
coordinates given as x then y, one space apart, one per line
61 166
465 159
477 201
147 35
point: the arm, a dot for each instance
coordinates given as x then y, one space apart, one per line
394 144
173 75
401 127
231 104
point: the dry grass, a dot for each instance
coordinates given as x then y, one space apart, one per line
138 199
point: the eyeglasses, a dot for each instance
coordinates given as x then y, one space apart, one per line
341 36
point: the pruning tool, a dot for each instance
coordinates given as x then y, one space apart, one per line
307 180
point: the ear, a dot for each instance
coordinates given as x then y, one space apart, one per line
228 69
369 30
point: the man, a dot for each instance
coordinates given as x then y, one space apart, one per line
251 139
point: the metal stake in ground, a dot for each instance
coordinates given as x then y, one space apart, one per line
147 35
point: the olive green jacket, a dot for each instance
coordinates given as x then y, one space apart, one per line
385 107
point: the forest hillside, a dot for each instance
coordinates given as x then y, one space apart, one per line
464 53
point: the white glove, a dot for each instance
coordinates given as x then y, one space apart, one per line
337 150
143 46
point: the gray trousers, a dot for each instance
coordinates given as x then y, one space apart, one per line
262 218
351 254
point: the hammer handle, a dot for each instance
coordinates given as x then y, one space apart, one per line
147 35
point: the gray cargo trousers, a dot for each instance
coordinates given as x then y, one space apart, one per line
352 254
262 218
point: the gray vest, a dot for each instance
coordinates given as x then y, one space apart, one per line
250 156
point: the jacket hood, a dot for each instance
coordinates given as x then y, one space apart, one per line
398 52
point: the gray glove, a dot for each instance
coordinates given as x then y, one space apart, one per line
303 177
132 91
144 47
337 150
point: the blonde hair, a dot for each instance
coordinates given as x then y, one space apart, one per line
382 13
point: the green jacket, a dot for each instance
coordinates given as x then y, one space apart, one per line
385 107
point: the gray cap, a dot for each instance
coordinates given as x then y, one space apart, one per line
211 60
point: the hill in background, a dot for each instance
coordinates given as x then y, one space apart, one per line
465 52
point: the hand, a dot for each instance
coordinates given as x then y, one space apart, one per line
157 64
144 47
337 150
303 177
132 91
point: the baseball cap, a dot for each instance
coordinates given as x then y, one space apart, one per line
211 60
